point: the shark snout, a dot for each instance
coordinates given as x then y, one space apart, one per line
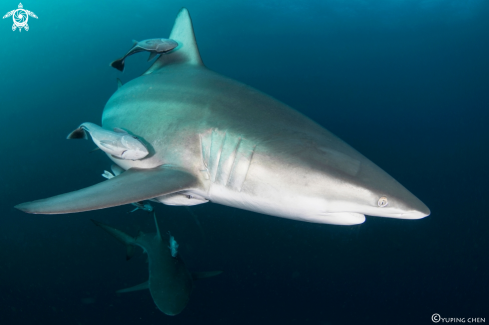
418 212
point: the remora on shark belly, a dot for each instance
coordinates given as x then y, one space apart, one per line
218 140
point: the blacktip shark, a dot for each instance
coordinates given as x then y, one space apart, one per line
154 46
218 140
170 282
118 143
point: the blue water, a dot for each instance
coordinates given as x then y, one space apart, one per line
406 83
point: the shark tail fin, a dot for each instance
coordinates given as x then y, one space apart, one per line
78 133
187 51
118 64
142 286
202 275
121 237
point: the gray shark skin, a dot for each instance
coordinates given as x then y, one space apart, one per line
170 282
218 140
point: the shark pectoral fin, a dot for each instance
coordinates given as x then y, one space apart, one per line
78 133
121 237
133 185
202 275
142 286
152 55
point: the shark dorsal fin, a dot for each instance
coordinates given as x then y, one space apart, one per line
187 51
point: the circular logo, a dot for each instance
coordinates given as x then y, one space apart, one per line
20 18
436 318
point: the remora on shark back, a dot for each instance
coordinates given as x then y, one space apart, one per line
153 46
170 282
218 140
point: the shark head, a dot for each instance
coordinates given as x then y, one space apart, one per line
326 182
371 191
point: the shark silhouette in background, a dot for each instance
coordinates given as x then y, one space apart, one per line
170 282
215 139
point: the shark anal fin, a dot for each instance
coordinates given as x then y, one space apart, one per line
121 237
202 275
142 286
133 185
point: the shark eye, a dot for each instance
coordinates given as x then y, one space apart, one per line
382 202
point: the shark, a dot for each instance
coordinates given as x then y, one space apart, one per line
217 140
170 282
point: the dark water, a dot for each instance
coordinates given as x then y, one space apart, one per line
404 82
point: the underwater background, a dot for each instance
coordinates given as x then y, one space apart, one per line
406 83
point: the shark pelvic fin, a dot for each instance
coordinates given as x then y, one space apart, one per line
187 51
133 185
202 275
121 237
142 286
